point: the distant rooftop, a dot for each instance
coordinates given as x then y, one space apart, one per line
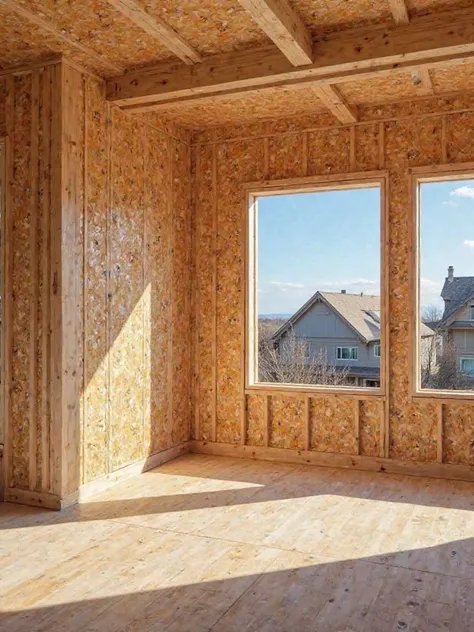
456 292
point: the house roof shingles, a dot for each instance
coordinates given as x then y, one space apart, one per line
360 311
456 292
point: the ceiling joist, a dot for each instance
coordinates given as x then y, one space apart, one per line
399 11
335 102
38 21
436 41
157 29
422 80
284 27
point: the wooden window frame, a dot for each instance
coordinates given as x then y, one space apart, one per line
418 176
311 184
4 184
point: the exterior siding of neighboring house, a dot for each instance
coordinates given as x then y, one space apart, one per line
330 320
325 329
457 323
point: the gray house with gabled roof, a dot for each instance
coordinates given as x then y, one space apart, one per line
457 322
346 327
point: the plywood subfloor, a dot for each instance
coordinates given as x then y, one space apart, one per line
208 543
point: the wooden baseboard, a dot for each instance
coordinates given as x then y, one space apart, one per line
52 501
345 461
34 499
104 482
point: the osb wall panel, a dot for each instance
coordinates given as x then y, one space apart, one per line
408 135
26 117
24 203
370 420
205 290
125 330
407 144
333 425
157 295
96 301
236 162
137 354
256 419
126 292
459 434
287 422
180 347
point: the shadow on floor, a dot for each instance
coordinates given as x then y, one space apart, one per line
294 594
251 482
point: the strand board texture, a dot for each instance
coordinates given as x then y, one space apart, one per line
409 135
115 300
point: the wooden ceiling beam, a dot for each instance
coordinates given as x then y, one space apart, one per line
46 26
158 29
284 27
440 40
422 80
332 98
399 11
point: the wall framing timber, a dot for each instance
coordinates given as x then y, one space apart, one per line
97 377
3 223
395 426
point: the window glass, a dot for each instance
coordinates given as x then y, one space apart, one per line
467 366
315 286
446 285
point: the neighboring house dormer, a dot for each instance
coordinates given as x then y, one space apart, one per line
458 296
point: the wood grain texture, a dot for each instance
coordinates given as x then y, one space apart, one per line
405 137
434 41
58 34
336 104
284 27
90 379
158 29
399 11
361 550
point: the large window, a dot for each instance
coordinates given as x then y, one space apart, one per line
445 284
314 287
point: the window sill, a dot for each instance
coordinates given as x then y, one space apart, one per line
444 397
286 390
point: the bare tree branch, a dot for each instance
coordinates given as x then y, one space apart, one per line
292 362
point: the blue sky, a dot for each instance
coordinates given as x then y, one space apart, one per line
331 241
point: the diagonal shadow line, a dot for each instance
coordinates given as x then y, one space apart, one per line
211 499
360 595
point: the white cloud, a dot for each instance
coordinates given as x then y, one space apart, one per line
427 283
464 192
349 283
469 243
284 286
451 203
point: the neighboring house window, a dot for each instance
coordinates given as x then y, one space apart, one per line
377 351
471 312
467 366
347 353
